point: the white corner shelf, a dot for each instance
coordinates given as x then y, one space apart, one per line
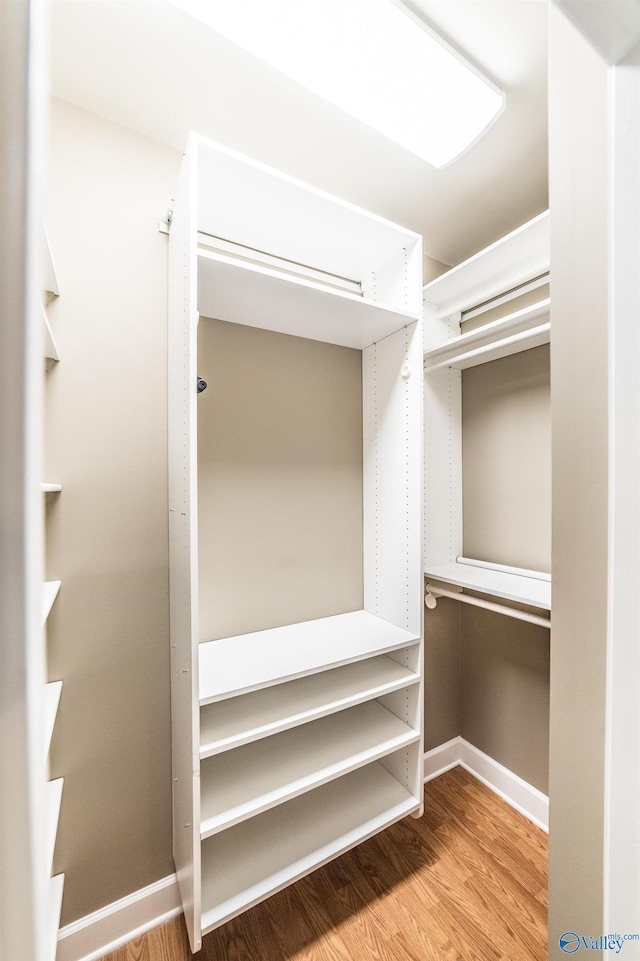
52 692
257 296
230 723
240 784
514 259
50 591
247 863
50 348
49 277
56 888
53 802
248 662
511 583
50 488
521 330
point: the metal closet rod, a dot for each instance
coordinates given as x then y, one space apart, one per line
434 592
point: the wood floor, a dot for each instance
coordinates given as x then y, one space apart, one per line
466 882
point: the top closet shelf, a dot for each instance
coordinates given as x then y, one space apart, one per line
259 296
249 662
510 261
511 583
522 330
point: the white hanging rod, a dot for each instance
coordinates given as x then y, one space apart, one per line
432 593
504 298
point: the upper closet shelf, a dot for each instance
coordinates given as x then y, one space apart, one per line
513 260
351 278
522 330
511 583
248 662
258 296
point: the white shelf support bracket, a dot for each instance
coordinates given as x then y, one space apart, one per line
165 225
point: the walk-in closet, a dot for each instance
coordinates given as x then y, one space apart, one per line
319 465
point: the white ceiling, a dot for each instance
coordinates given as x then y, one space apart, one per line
151 67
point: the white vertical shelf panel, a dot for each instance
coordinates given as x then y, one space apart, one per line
392 428
183 547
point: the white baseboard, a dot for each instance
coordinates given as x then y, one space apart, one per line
105 930
518 793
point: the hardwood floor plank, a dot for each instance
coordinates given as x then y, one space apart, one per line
466 882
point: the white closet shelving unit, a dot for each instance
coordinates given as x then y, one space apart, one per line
497 276
291 745
50 590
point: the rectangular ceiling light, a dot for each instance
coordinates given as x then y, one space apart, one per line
373 59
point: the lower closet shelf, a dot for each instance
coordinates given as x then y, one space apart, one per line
253 860
240 784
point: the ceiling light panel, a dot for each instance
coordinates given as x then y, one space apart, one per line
371 58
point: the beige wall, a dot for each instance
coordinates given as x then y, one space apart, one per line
579 224
107 531
506 457
504 692
280 479
487 676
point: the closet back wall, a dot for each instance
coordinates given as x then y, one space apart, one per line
279 479
107 430
504 663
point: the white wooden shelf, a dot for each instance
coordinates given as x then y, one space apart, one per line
257 296
49 593
49 277
513 584
512 260
50 348
236 721
53 802
240 784
247 863
245 202
56 888
50 488
521 330
52 692
248 662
